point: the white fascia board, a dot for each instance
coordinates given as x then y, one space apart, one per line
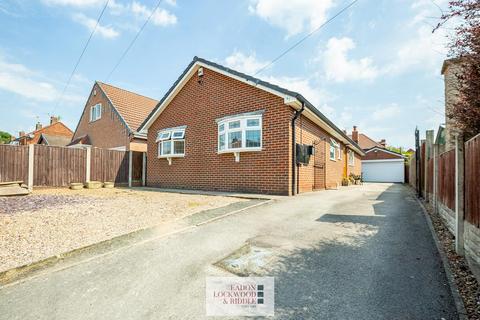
384 160
193 69
140 135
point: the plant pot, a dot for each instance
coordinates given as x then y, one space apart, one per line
93 185
76 185
108 185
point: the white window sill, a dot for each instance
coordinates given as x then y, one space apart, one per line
91 121
333 159
239 150
171 156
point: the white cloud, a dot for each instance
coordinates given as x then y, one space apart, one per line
339 67
104 31
249 65
385 113
160 17
244 63
293 16
425 50
19 79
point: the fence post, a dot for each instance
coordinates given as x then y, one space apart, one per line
459 194
130 156
88 164
144 168
31 151
435 178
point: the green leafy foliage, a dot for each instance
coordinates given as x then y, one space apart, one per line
5 137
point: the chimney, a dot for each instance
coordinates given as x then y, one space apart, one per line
53 119
21 134
383 143
38 126
355 134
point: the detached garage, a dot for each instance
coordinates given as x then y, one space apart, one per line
382 165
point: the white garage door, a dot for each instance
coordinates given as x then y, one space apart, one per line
383 170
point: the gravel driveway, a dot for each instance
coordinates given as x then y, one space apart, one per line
53 221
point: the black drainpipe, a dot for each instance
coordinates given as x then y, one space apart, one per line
294 149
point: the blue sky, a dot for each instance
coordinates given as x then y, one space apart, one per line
377 66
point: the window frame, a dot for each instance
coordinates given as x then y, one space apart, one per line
223 129
351 158
336 148
96 112
170 139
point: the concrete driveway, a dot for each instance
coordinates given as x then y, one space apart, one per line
362 252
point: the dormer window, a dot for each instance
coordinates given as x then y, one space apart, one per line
95 112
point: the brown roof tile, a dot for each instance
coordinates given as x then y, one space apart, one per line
134 108
365 142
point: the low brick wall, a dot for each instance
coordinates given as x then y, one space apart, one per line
448 216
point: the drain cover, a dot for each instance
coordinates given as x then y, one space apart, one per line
248 260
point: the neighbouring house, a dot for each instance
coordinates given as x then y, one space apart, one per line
219 129
111 118
379 164
450 70
55 130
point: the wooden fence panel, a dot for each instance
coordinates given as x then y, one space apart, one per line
446 179
109 165
13 163
58 166
472 181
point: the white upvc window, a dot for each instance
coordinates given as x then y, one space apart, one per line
339 152
351 157
95 112
171 143
240 133
334 150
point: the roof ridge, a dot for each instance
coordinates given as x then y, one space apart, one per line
135 93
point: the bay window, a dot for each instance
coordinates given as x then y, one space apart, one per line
240 133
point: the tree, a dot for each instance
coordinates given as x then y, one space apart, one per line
465 45
5 137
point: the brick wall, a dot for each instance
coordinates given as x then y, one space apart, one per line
322 172
312 176
378 155
197 106
106 132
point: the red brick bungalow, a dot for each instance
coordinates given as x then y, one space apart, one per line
219 129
